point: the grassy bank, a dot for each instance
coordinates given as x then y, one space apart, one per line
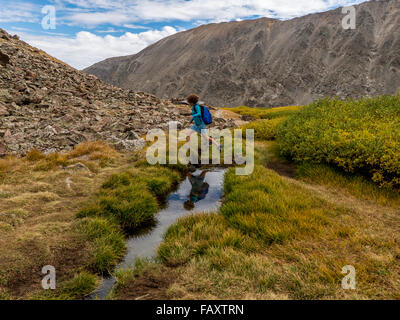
72 211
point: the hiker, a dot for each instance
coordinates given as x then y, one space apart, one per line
199 189
197 117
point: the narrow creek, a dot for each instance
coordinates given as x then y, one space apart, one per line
199 192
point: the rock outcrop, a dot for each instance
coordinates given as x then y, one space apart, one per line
268 62
47 105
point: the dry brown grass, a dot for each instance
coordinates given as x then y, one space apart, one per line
98 150
38 213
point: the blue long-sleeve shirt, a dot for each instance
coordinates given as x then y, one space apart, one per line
196 115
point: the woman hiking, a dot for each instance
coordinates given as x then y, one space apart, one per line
199 189
199 125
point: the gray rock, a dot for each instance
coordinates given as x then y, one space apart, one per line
3 149
3 110
5 95
78 166
4 59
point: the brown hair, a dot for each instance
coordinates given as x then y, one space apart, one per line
193 99
188 205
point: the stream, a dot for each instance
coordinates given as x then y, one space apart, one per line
203 189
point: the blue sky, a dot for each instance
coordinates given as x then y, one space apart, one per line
88 31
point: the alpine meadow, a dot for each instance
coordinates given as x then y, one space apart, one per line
207 157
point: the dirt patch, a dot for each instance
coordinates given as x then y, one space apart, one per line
149 286
65 257
283 168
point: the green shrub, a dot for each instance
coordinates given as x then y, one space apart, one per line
358 136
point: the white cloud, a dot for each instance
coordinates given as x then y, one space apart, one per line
17 11
92 13
134 26
109 30
119 12
87 48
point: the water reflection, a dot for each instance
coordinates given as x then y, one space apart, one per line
199 189
200 192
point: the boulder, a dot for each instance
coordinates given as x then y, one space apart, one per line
4 59
77 167
3 149
3 110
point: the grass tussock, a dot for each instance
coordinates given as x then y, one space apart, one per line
108 242
98 150
260 206
82 284
34 155
130 198
125 277
79 286
8 166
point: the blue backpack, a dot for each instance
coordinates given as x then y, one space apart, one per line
206 115
204 191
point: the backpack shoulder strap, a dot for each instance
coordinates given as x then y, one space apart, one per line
202 110
198 108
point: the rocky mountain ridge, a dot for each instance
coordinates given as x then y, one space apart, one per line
48 105
268 62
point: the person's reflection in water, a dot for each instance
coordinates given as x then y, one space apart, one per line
199 189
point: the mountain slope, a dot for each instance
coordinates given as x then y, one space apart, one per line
47 105
267 62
